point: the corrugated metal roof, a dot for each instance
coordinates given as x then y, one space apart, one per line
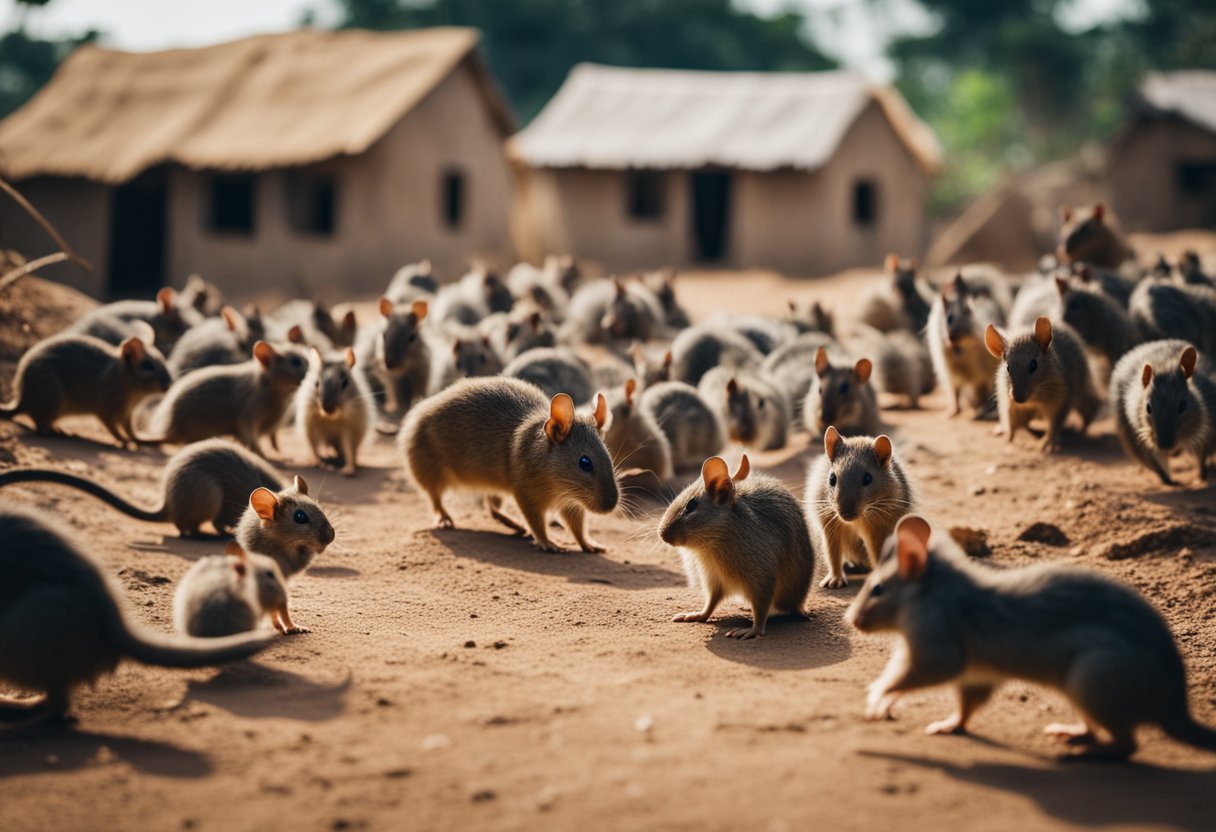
262 102
1190 94
610 117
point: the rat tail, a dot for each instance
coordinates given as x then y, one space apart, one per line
182 651
89 487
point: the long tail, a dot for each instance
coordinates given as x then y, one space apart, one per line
181 651
89 487
1185 729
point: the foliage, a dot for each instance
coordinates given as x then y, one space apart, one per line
26 63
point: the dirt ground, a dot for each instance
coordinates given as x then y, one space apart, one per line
461 679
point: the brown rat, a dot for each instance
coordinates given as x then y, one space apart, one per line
62 622
228 339
168 318
469 355
841 394
755 412
742 535
247 400
1092 639
1043 372
955 337
634 438
855 493
536 450
394 356
792 366
286 525
78 374
208 481
223 595
897 300
333 408
1090 237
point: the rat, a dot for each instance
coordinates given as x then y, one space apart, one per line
1096 641
901 362
1164 399
646 368
538 286
393 355
317 325
553 371
699 349
222 595
854 494
63 622
413 281
662 284
228 339
693 429
955 337
208 481
604 311
247 400
841 395
1090 237
755 412
792 365
517 333
742 536
333 408
1163 309
470 355
817 318
1101 322
203 297
1043 372
71 374
533 448
475 296
897 300
168 318
634 438
286 525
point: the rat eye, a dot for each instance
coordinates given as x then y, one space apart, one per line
146 364
345 381
1034 365
844 389
867 479
584 462
267 574
832 479
691 506
1182 406
295 361
876 591
300 516
950 320
413 337
482 358
760 404
1149 408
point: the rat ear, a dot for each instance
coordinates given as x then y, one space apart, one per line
264 353
793 307
716 477
631 386
994 341
561 417
1042 332
667 360
299 484
316 353
485 340
1099 212
831 441
1146 375
862 370
891 264
1062 286
732 387
1085 273
263 502
534 320
234 549
822 363
295 335
602 414
912 546
745 468
419 309
231 318
350 358
1187 361
350 323
1065 213
132 350
386 307
166 298
883 450
455 346
619 286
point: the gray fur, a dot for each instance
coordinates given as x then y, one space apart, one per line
691 426
699 349
553 371
754 411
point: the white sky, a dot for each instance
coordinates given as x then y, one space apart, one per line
854 31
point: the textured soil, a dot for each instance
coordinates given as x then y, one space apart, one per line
459 678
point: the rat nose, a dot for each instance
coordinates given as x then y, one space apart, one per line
327 534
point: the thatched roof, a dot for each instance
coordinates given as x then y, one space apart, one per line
1190 94
608 117
263 102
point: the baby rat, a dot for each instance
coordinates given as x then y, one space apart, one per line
899 300
288 526
207 481
635 439
755 411
841 395
222 595
955 335
247 400
1090 238
168 318
1094 640
693 429
1043 372
62 622
527 446
228 339
394 356
1164 402
607 310
742 536
78 374
471 355
855 493
333 409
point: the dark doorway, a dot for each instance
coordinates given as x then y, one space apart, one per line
137 235
710 213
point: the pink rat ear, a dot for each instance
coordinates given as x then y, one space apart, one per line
300 485
561 417
995 342
264 502
831 442
716 477
912 546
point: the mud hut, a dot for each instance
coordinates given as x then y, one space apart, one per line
807 173
310 162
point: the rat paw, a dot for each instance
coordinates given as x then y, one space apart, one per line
444 521
744 635
878 705
296 630
834 581
348 471
594 548
950 725
690 616
549 546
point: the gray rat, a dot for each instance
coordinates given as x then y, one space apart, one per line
478 294
1163 395
898 300
228 339
529 447
203 297
662 284
792 365
1092 639
469 355
955 337
62 622
247 400
1090 237
286 525
612 310
766 334
1103 324
855 493
650 368
541 287
817 318
634 437
693 429
755 412
553 371
901 361
208 481
1043 372
1164 309
78 374
394 357
699 349
223 595
841 395
168 318
318 327
742 535
333 408
519 333
413 281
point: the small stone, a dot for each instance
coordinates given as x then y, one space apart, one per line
483 795
436 741
644 723
470 644
498 645
1076 551
382 702
977 490
972 541
1046 533
472 615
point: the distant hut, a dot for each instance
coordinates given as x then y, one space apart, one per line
293 162
807 173
1163 163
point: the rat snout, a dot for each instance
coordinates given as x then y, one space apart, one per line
609 498
670 534
1018 393
327 534
847 510
1165 437
330 401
